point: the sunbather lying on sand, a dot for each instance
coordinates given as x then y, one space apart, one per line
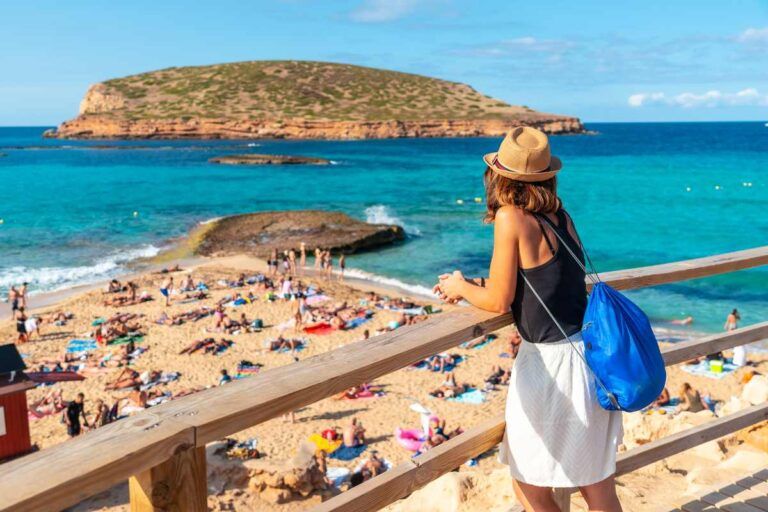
51 403
449 388
208 346
497 376
439 435
281 343
129 299
129 378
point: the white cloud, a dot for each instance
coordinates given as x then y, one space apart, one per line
520 47
713 98
379 11
753 36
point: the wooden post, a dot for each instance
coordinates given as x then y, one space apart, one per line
563 499
177 485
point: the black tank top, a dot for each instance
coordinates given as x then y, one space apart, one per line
559 282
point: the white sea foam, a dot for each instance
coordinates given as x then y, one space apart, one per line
50 279
208 221
381 214
415 289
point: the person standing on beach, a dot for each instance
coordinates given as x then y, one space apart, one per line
327 265
13 298
342 266
302 258
292 262
75 410
318 258
23 295
556 435
166 288
731 324
21 326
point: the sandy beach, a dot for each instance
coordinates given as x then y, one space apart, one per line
278 440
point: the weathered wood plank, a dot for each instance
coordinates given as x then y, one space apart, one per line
414 474
681 441
66 474
689 269
221 411
687 350
697 506
179 483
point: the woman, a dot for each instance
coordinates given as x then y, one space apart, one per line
731 324
557 435
691 400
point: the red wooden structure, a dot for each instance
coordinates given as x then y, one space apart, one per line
14 422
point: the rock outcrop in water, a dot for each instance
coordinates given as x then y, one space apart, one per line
259 233
258 159
295 100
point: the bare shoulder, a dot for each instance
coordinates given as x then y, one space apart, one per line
512 221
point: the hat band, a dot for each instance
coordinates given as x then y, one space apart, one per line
505 168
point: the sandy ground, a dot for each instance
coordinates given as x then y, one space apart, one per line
643 490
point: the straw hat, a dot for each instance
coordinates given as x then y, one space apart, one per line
524 156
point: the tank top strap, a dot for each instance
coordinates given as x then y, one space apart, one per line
544 232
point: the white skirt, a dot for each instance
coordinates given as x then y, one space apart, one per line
557 435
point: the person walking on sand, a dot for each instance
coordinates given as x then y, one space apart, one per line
731 324
318 258
302 258
75 410
342 266
166 288
13 298
327 265
556 435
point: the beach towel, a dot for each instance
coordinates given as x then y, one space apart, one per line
48 377
369 392
347 452
301 346
423 365
136 338
356 322
75 346
316 299
321 328
165 378
670 408
337 475
702 369
489 339
471 396
97 322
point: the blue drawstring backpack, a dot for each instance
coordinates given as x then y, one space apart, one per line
620 348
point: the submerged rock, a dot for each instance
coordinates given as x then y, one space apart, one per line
259 233
259 159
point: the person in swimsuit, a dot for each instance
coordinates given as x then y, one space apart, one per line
165 290
13 298
302 258
21 326
342 266
566 440
23 295
731 324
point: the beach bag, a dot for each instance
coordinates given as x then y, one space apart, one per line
620 348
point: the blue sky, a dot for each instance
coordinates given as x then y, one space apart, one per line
600 60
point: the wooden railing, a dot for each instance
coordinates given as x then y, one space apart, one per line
161 450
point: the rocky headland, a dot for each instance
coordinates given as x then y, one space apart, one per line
259 233
295 100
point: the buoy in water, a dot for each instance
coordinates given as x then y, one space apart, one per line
687 189
2 221
717 187
459 201
478 199
135 214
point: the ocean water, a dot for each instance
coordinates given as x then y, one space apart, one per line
640 194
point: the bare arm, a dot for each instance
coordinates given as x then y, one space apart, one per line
499 290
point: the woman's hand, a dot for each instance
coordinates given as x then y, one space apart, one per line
450 286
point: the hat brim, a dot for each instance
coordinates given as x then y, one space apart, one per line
554 167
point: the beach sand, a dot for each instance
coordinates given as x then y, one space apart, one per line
647 489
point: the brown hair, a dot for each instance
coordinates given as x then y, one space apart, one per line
535 197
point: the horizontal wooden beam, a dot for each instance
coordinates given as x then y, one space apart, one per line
686 439
687 350
70 472
689 269
410 476
222 411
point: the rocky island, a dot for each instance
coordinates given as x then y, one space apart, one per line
259 159
295 100
258 233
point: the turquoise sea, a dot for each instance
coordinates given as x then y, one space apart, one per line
640 194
